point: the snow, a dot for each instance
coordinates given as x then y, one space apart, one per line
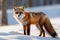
14 31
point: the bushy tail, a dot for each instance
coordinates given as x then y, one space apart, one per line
49 28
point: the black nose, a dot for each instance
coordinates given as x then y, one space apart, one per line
18 15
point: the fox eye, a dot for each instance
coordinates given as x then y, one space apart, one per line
16 12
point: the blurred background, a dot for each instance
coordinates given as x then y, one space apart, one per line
49 7
9 28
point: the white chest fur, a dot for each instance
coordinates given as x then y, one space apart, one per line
20 18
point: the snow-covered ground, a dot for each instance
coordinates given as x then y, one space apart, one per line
14 31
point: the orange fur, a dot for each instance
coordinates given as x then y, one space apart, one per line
38 18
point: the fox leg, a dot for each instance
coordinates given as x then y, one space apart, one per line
42 32
39 29
41 22
28 29
48 26
24 28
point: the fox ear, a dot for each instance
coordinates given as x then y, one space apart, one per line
15 7
22 7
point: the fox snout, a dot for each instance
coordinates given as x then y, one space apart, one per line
18 14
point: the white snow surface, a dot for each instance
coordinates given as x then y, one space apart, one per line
15 32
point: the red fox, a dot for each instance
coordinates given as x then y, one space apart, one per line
38 18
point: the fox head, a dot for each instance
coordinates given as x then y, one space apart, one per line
19 14
18 10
